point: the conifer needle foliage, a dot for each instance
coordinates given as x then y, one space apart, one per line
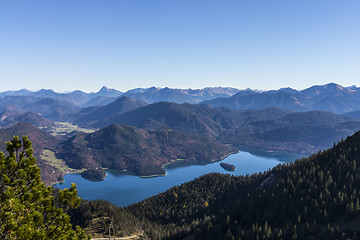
27 208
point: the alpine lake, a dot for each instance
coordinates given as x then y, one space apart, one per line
122 188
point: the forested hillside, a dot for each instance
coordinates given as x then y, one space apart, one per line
317 197
142 152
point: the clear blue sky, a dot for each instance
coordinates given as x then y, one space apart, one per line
124 44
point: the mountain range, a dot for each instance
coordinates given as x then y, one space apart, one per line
270 128
153 95
330 97
77 97
107 95
277 120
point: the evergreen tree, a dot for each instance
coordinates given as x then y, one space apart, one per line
27 208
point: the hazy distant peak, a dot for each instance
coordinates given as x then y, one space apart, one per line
352 88
288 89
142 90
45 90
78 91
334 86
330 88
105 91
23 90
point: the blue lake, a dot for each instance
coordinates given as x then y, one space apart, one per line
122 188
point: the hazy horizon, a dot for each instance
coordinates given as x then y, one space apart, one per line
109 87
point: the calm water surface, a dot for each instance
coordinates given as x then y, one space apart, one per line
122 188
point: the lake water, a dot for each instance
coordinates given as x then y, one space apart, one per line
122 188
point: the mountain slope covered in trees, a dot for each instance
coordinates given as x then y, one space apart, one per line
142 152
314 198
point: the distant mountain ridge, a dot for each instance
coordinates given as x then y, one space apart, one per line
76 97
153 95
107 95
353 114
50 108
330 97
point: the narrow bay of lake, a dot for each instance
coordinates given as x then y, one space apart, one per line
122 188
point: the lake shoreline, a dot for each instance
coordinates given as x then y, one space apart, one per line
123 188
162 166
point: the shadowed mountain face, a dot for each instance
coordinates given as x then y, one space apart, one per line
189 118
330 97
354 114
305 132
8 119
40 139
140 151
111 110
269 129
